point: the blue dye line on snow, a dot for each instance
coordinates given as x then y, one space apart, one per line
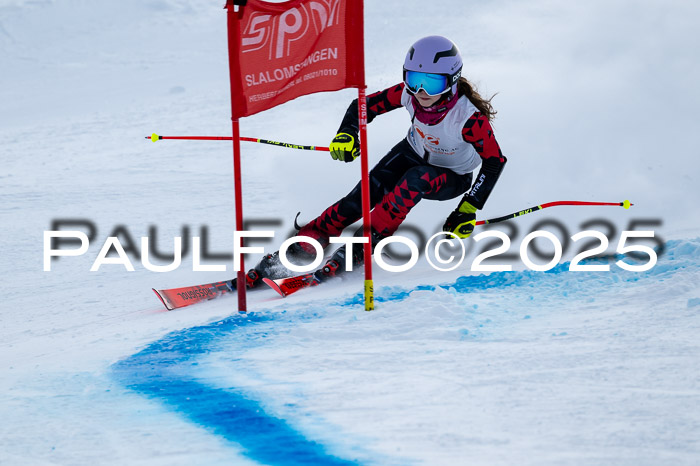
163 371
678 255
464 284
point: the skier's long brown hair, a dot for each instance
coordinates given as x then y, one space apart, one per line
464 87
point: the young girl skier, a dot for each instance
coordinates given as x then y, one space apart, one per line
449 137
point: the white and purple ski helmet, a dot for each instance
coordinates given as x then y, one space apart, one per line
435 54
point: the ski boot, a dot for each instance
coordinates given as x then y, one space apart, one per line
337 264
270 266
253 279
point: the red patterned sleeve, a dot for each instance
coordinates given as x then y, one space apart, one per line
377 104
384 101
477 131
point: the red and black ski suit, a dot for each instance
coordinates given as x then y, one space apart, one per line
403 177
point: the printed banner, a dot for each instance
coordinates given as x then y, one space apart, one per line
286 50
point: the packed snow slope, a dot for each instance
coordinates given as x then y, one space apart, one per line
596 101
523 367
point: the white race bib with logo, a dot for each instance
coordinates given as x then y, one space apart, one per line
442 144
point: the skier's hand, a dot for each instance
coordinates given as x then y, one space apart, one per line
461 221
345 146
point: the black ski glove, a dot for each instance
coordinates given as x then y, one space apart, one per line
345 146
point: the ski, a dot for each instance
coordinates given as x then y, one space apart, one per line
287 286
268 268
175 298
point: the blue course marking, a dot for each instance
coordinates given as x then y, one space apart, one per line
677 254
163 371
466 284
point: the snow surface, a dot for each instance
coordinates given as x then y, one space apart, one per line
597 101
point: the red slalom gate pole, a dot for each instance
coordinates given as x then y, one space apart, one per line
364 159
238 193
366 230
233 27
625 204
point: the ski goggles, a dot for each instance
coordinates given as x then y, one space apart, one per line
432 83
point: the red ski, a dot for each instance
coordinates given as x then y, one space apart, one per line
180 297
287 286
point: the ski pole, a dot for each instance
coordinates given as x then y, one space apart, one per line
155 137
626 204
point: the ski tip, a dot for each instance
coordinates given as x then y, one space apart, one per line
162 300
272 284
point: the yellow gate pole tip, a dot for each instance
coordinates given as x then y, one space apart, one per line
154 137
627 204
369 295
